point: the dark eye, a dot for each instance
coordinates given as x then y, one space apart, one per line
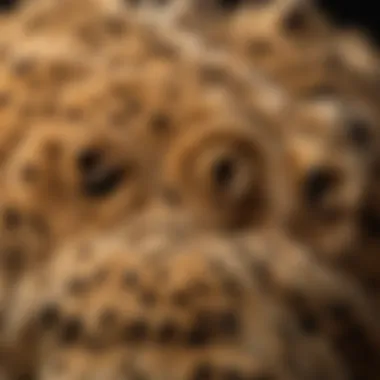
317 183
89 160
98 179
223 172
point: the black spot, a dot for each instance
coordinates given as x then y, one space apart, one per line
12 218
130 279
49 316
370 223
97 179
71 330
359 133
9 5
317 183
167 332
229 5
135 331
203 371
89 160
223 172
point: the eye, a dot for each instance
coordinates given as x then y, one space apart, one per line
223 172
98 179
88 160
318 182
220 175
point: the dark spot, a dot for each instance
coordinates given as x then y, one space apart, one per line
308 322
104 182
340 311
232 374
98 181
49 316
370 223
223 172
89 160
130 279
14 260
229 5
203 371
160 123
317 183
167 332
135 331
201 330
71 330
359 133
296 21
9 5
148 298
11 218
